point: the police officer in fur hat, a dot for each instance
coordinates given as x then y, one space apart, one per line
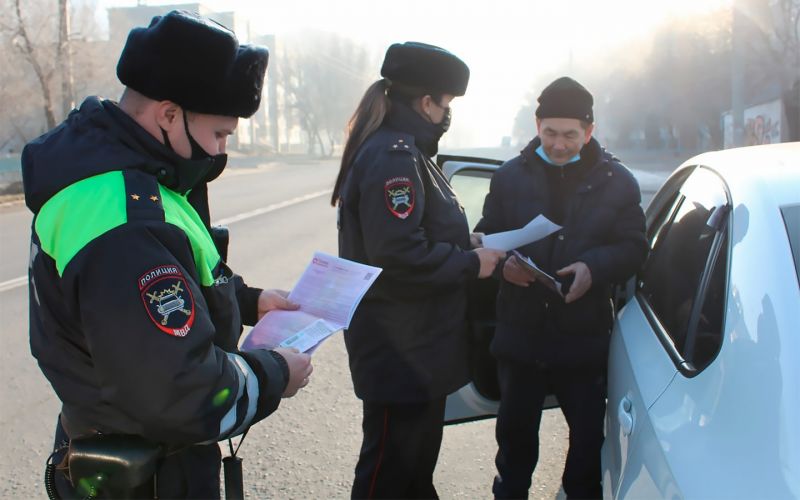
407 342
546 342
135 316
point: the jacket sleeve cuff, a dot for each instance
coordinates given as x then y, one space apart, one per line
283 365
595 268
247 297
474 265
498 270
271 381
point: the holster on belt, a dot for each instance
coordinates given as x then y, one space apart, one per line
114 465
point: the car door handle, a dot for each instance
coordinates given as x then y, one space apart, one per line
625 416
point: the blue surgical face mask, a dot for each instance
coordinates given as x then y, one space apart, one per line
540 151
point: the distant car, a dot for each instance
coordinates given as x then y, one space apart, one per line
704 365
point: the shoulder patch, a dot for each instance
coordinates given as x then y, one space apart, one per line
399 195
168 299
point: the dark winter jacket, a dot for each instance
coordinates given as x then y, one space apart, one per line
134 317
408 339
603 226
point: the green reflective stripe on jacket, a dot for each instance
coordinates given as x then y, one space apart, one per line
78 214
179 212
89 208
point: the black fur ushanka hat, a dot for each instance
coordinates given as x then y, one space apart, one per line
427 68
196 63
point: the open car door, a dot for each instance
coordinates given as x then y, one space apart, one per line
470 178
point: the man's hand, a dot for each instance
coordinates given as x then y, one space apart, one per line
580 284
515 274
476 240
270 300
300 369
489 258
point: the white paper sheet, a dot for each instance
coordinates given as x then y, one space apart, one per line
328 293
540 227
310 336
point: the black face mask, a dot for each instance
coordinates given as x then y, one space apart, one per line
200 168
444 125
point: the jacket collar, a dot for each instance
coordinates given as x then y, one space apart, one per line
403 118
593 166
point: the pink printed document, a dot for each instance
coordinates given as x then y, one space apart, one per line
328 292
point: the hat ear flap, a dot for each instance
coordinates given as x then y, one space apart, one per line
247 79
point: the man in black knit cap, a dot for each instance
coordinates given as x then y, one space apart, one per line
546 342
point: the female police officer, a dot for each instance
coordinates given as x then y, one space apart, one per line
407 342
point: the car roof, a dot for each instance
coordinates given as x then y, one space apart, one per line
752 171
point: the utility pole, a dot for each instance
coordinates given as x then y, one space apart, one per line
737 72
65 57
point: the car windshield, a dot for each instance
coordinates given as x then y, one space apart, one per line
791 217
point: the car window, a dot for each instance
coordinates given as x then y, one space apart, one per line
791 217
471 186
684 264
706 335
662 220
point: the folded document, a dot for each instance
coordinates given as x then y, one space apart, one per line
328 293
541 276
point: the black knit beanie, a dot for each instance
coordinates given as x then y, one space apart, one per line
565 98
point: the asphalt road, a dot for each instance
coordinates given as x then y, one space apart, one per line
278 216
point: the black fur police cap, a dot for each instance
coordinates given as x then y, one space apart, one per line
566 98
426 68
196 63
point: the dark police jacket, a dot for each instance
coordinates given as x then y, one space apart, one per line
603 226
408 340
134 317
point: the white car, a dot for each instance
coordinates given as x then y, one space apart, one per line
704 365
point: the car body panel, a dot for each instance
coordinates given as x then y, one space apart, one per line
647 473
642 371
467 404
731 430
750 413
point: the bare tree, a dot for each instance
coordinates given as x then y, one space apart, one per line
768 36
324 76
670 93
772 33
22 40
64 56
50 58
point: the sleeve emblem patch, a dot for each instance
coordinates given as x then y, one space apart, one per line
399 194
168 300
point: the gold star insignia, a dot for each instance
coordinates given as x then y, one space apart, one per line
154 198
135 197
